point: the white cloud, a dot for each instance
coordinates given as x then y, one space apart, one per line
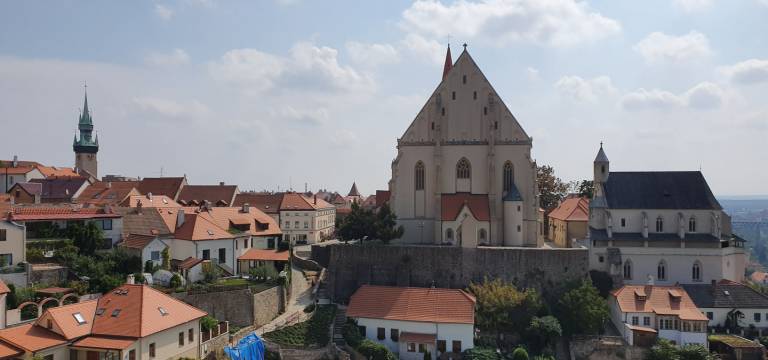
175 57
426 49
691 6
658 47
585 90
164 12
171 108
703 96
250 67
313 117
552 23
751 71
372 54
344 138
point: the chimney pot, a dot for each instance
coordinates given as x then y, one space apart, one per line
315 199
246 208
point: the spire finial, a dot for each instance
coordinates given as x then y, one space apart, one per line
465 46
601 144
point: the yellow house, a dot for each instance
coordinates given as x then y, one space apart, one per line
569 221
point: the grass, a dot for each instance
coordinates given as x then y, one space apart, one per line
311 333
233 282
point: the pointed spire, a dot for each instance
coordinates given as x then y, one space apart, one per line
601 157
85 116
353 191
448 62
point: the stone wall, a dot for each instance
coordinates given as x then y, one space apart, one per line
240 307
17 279
350 266
267 305
604 348
321 254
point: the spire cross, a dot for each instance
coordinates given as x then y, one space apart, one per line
465 46
601 144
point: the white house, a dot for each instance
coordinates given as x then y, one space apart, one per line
665 224
463 143
643 312
36 217
148 247
13 245
411 321
723 299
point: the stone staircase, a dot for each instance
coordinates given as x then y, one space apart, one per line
338 326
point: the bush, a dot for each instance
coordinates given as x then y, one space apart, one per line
351 333
208 322
35 255
12 300
264 273
520 354
374 351
427 354
309 308
480 353
211 273
542 333
175 281
149 267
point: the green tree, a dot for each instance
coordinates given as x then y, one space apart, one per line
582 310
695 352
480 353
386 225
166 255
358 224
585 188
502 308
662 350
12 300
106 283
351 333
551 189
211 273
87 237
208 322
375 351
520 354
602 281
542 333
427 355
175 281
264 273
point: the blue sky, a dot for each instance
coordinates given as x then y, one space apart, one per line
267 94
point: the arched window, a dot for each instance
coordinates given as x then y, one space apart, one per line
482 235
509 176
418 176
661 270
692 224
449 234
696 271
627 270
463 169
659 224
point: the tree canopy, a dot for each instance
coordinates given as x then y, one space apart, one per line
87 237
551 189
361 223
502 308
582 310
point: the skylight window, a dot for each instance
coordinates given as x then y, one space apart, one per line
100 311
79 318
162 311
210 232
115 312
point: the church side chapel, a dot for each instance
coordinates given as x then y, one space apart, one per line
463 175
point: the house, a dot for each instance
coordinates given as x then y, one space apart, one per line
143 222
130 322
216 195
569 221
726 302
13 237
664 224
643 312
302 219
192 268
166 186
149 200
10 175
353 196
61 189
148 247
26 193
39 221
263 257
102 193
410 321
268 203
736 347
57 172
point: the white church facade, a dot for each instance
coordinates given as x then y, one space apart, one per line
664 226
463 174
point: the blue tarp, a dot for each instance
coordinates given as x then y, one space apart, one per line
248 348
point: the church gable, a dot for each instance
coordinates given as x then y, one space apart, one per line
464 109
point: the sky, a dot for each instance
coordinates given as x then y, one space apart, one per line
273 94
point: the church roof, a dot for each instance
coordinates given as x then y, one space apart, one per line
451 205
659 190
601 157
726 294
448 62
353 191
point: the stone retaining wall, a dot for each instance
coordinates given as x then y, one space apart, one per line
241 308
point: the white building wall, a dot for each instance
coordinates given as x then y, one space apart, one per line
447 332
634 220
719 316
155 245
167 343
15 243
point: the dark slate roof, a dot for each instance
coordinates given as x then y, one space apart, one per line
659 190
597 234
738 295
60 187
513 194
29 187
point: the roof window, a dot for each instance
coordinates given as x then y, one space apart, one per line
115 312
79 318
162 310
100 311
210 232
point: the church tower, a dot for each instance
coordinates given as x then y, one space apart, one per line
87 146
598 204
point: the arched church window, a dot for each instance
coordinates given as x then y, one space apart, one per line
692 224
696 271
464 79
449 234
661 270
463 169
482 235
659 224
627 270
509 176
485 110
453 95
602 169
474 95
419 176
442 111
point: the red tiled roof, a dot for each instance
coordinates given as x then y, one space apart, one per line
267 203
108 192
168 186
104 342
51 171
31 338
198 227
189 263
4 288
453 203
572 209
63 317
149 201
59 213
7 351
662 300
137 241
758 276
213 193
412 304
20 170
265 254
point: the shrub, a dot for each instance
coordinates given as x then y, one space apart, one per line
211 273
35 255
309 308
175 281
351 333
264 273
374 351
480 353
208 322
149 267
520 354
542 332
427 354
12 300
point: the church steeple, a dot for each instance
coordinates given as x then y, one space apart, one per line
87 145
448 62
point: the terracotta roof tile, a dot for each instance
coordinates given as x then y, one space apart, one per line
20 170
189 263
658 299
137 241
168 186
108 192
412 304
52 171
382 197
149 201
64 318
31 338
104 342
148 222
453 203
22 213
7 351
265 254
4 288
267 203
213 193
572 209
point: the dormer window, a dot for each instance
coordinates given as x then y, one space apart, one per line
79 318
100 311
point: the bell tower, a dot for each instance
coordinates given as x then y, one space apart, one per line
87 146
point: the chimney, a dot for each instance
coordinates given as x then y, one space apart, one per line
130 280
246 208
109 184
15 161
180 218
221 183
315 199
149 196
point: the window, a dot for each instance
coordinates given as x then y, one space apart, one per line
456 346
394 334
419 176
287 224
453 95
206 254
236 245
422 348
296 224
49 324
442 111
686 326
73 354
646 321
509 176
155 255
635 320
191 335
710 315
464 79
306 224
661 270
152 350
495 125
696 271
692 224
245 243
433 125
441 346
48 357
381 333
3 234
485 110
106 224
100 311
627 270
132 354
181 339
659 224
757 317
222 255
623 222
518 208
361 329
601 258
411 347
79 318
482 235
449 234
518 228
115 312
474 95
463 169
